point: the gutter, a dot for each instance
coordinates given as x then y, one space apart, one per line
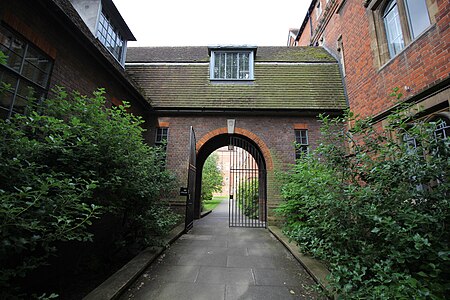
248 112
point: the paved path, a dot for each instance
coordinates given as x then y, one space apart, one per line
216 262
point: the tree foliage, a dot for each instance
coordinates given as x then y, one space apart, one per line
377 213
247 196
65 163
211 178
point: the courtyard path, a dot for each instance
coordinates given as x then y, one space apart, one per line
216 262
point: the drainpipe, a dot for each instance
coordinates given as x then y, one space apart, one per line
310 27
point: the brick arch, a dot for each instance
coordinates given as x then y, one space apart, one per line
256 139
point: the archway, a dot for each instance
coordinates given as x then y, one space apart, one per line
254 173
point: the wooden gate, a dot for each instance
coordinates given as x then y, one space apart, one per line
247 206
189 192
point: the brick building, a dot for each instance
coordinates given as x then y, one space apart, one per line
48 43
273 94
383 44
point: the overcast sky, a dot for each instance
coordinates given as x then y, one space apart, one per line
206 22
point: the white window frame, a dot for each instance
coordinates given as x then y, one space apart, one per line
391 19
301 147
250 64
161 132
411 22
318 10
340 49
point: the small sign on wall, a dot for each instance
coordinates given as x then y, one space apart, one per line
230 125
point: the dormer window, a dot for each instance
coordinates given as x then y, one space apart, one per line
106 24
230 64
110 37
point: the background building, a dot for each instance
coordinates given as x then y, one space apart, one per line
385 44
48 43
273 94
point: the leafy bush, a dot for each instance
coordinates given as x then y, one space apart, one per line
377 213
211 178
248 197
65 163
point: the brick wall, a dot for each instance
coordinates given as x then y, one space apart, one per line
75 67
421 65
275 134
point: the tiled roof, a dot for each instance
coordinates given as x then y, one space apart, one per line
70 18
200 54
297 78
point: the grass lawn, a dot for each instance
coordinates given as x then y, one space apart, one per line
209 205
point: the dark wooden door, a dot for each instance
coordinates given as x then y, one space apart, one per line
190 192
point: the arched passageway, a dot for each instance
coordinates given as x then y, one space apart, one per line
248 179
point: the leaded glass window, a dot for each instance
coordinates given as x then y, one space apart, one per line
26 73
232 65
110 37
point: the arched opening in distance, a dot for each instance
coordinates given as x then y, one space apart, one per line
247 178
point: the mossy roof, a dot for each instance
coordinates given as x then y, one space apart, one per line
297 78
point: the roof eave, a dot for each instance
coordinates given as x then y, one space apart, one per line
114 13
232 47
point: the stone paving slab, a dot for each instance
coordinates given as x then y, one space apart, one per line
214 261
174 274
248 292
157 290
225 275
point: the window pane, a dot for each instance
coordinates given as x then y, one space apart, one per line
418 16
14 60
244 72
410 141
25 90
33 73
301 139
26 74
393 29
161 134
231 65
442 130
3 112
110 37
20 104
6 100
10 79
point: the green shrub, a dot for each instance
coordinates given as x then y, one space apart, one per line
65 163
248 197
379 215
211 178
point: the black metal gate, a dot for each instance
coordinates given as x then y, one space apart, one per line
247 206
190 191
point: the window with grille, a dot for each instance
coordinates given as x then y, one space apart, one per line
162 135
231 65
110 37
441 133
301 142
26 73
